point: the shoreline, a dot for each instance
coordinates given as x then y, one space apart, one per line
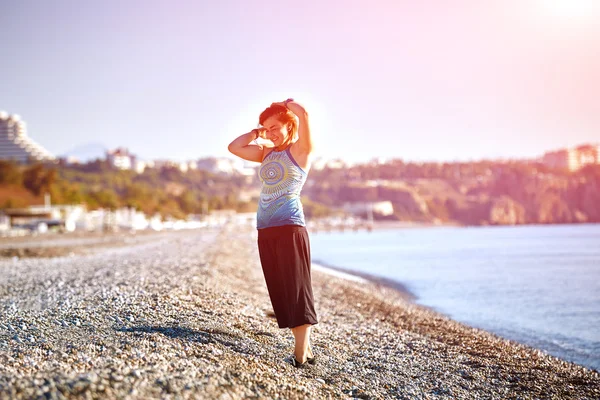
361 277
556 339
188 315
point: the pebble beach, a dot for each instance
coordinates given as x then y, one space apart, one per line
186 314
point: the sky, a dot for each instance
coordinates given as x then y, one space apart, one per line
417 80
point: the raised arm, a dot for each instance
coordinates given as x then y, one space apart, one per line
243 147
305 141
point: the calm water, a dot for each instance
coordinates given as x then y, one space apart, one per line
538 285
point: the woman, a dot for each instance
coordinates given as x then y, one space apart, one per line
283 241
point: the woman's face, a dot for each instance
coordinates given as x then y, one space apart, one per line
277 132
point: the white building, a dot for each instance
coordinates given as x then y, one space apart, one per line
321 163
15 144
121 158
183 166
140 166
40 217
226 166
573 159
4 222
383 208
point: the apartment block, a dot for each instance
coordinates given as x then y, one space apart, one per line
574 158
16 145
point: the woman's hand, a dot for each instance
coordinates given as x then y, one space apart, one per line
244 148
262 139
292 106
262 133
304 139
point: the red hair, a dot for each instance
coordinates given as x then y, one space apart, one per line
283 115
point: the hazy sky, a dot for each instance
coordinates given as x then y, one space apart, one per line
418 80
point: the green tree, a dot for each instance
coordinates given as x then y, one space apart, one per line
106 198
188 202
38 180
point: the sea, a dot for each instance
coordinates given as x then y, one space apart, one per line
537 284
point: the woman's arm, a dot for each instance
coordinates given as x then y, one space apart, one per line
242 148
305 141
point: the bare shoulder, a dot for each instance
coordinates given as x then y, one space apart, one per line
266 152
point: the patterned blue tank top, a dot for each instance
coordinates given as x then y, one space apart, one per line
282 180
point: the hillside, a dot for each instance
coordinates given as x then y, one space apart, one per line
468 193
167 191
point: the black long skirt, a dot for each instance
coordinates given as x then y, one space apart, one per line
285 259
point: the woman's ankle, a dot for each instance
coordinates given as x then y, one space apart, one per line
302 358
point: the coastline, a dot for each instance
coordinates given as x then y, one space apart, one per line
337 273
188 315
572 340
363 277
405 293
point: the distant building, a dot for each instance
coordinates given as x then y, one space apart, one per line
158 164
225 166
16 145
383 208
183 166
140 166
70 160
378 161
39 218
573 159
121 158
4 222
320 163
588 154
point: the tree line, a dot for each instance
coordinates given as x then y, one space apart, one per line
469 193
97 184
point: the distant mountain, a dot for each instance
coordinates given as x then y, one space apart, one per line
87 152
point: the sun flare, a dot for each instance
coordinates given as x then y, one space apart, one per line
571 9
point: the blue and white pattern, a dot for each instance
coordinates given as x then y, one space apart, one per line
282 181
